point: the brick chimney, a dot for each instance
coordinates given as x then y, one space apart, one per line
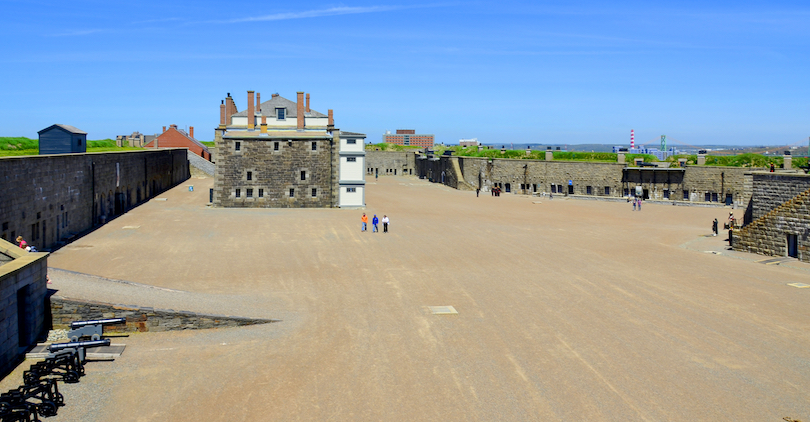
222 114
300 109
191 132
274 95
259 103
308 110
251 118
230 108
164 129
331 121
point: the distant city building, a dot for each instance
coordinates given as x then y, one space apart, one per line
472 142
62 139
178 138
660 155
408 137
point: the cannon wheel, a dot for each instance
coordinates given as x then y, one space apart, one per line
46 409
95 337
74 339
71 377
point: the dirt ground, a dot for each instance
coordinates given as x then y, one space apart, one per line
568 310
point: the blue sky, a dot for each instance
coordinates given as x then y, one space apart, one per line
510 71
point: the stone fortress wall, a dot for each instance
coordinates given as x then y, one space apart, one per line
390 163
780 212
692 184
48 199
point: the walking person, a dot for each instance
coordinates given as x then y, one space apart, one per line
364 220
639 204
477 190
634 204
714 227
385 224
374 223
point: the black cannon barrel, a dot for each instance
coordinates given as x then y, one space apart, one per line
76 344
77 324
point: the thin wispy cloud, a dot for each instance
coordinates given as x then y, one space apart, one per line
332 11
76 33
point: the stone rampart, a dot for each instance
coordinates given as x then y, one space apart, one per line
691 184
390 163
48 199
65 310
201 164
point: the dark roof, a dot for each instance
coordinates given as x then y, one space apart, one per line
66 128
280 102
359 135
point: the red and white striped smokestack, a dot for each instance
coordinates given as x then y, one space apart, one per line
632 139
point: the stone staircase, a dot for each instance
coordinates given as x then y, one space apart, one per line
766 235
200 163
461 183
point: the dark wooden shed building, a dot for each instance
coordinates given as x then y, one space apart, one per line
62 139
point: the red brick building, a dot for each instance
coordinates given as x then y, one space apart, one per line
178 138
408 137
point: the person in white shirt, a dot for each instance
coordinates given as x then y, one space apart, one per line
385 223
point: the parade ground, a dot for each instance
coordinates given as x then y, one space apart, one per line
562 310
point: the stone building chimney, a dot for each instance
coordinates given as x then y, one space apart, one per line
701 157
788 163
230 108
300 109
308 110
251 117
620 156
549 154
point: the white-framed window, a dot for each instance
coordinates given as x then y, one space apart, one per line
351 190
281 113
351 141
351 159
238 193
249 192
261 193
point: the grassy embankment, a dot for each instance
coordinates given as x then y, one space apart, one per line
739 160
15 146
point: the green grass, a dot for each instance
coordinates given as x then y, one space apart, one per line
17 146
209 143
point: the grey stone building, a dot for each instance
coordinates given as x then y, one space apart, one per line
283 154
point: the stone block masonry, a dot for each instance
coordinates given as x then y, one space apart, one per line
696 184
49 199
276 173
65 310
23 292
390 163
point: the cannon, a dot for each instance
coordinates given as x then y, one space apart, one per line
92 328
78 347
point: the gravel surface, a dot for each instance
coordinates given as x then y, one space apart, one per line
567 310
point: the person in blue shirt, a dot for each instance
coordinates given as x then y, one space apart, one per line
374 222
